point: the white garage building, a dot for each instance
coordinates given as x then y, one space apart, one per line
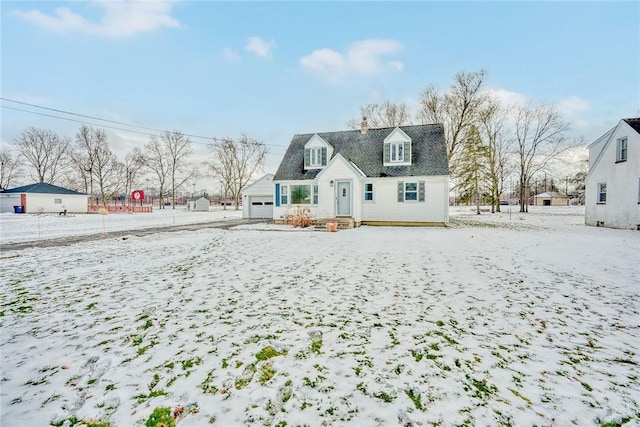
43 198
257 198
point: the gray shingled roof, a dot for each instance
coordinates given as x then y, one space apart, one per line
428 152
634 123
42 188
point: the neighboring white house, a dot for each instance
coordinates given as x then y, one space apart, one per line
257 198
387 176
612 194
43 198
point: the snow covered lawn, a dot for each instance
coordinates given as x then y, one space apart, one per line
533 320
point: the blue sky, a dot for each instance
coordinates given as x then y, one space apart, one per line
273 69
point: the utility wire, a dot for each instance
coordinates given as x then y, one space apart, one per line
216 140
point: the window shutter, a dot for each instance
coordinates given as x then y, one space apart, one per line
387 153
324 156
400 191
421 191
407 152
277 194
307 157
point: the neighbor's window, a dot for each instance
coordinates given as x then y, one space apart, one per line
410 191
57 201
284 195
315 194
397 152
300 194
602 192
368 192
621 151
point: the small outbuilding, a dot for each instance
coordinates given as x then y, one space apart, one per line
257 198
200 205
550 198
43 198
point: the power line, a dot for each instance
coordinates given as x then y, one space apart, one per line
214 139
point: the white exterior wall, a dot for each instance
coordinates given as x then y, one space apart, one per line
338 170
262 187
385 205
45 203
8 201
622 208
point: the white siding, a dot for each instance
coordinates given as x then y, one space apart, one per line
338 170
260 187
622 208
46 203
8 201
385 205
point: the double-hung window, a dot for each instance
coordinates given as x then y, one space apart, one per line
410 191
368 192
602 192
621 149
315 157
284 195
315 194
397 152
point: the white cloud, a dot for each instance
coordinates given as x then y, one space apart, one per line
362 57
508 97
572 105
260 47
119 18
230 55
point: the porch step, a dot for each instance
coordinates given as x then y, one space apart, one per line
343 223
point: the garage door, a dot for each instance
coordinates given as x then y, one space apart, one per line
260 207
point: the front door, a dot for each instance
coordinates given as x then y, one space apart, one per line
344 198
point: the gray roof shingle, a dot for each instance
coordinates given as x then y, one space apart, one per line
428 152
42 188
634 123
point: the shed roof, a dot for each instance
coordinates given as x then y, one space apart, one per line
43 188
365 151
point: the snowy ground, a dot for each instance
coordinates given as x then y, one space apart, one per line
528 320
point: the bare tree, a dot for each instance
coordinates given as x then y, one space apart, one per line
492 120
540 135
167 156
235 163
106 171
456 109
9 169
84 154
155 159
387 114
130 168
45 152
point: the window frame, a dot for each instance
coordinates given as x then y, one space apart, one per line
415 191
315 156
622 147
314 194
602 193
309 197
368 192
396 152
57 201
284 194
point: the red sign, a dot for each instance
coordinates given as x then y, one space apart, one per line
137 195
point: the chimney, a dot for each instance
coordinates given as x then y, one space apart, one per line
364 127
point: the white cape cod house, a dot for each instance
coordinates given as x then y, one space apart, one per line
387 176
612 193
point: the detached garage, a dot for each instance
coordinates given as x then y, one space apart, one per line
257 198
43 198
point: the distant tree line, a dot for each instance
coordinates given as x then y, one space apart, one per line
489 142
86 163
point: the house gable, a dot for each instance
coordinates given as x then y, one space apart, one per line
397 149
317 152
611 141
340 159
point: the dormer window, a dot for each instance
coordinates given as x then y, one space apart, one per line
315 157
397 149
397 152
317 152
